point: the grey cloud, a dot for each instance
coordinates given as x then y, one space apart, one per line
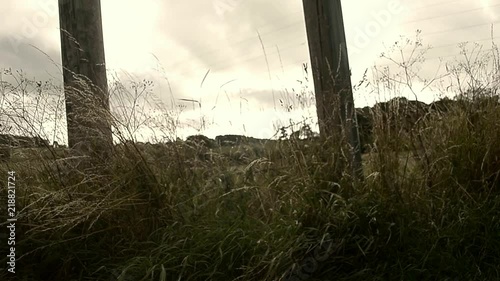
233 40
36 63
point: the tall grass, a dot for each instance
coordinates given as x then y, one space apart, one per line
174 210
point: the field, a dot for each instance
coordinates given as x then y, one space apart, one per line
428 207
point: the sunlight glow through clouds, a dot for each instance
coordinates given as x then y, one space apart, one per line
485 4
129 32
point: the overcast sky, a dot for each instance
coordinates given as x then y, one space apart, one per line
179 41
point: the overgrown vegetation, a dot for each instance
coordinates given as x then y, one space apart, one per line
428 209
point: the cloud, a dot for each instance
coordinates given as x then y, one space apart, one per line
174 43
486 5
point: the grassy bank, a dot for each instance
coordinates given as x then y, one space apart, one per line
428 209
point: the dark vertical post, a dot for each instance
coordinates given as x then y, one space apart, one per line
332 76
85 82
